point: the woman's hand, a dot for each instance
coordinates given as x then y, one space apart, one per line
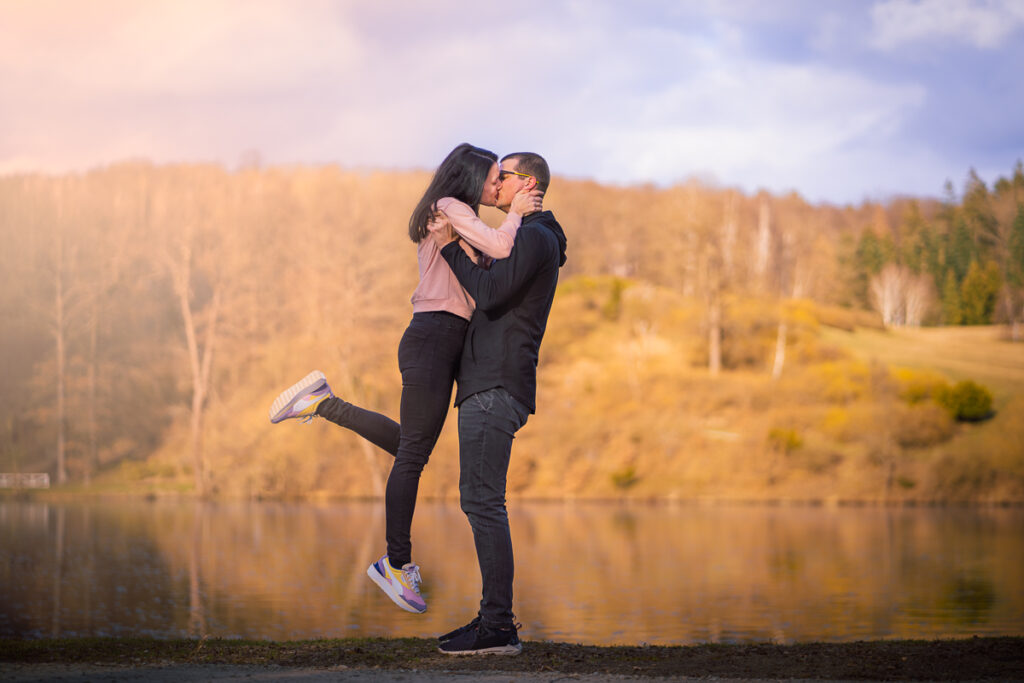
472 253
440 229
527 202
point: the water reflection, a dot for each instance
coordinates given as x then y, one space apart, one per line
585 573
196 616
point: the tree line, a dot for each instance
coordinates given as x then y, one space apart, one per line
136 296
960 263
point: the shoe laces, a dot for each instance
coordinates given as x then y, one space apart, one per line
411 574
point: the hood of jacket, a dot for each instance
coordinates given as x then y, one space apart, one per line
548 220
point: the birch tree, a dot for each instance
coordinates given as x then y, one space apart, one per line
189 258
66 303
887 293
918 298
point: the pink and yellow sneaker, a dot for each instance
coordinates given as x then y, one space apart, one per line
401 585
301 399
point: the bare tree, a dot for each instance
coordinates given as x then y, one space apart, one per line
888 294
798 245
1008 210
190 230
776 242
788 284
711 275
108 252
64 300
200 358
764 236
900 296
59 332
918 297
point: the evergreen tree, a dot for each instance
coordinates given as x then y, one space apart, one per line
869 257
949 200
1013 299
852 284
1018 180
914 239
961 250
932 255
1015 269
871 254
952 313
994 281
978 293
977 212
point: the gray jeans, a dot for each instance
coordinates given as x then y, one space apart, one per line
488 422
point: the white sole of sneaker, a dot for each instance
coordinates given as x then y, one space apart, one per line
499 650
385 586
285 398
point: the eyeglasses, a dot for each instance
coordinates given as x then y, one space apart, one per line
503 174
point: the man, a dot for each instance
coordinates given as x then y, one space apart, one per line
497 386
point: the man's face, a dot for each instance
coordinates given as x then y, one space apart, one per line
510 183
489 196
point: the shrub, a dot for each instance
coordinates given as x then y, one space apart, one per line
916 386
625 477
966 401
964 476
855 422
785 440
816 460
921 425
612 307
836 423
843 381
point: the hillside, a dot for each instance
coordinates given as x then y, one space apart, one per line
627 410
703 344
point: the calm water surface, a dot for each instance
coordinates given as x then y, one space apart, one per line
586 573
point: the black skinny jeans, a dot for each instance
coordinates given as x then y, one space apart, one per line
428 357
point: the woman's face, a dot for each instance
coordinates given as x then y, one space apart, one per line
489 197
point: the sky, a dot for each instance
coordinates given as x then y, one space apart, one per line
840 101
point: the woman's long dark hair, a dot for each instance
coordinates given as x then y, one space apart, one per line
461 175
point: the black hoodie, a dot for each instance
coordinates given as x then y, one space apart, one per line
513 299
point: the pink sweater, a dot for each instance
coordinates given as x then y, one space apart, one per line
438 289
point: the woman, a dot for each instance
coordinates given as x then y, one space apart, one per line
428 354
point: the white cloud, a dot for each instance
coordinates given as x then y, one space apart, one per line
172 46
984 24
646 92
754 124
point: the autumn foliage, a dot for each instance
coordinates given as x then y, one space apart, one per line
151 314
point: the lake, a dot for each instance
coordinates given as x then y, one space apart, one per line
585 572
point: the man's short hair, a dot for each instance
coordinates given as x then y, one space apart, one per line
533 164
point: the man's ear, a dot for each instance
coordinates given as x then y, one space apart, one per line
531 183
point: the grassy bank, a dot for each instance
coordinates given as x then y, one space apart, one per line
974 658
627 410
629 413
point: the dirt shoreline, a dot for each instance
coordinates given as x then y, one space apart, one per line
989 658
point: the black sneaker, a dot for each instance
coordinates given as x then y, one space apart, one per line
483 640
471 626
